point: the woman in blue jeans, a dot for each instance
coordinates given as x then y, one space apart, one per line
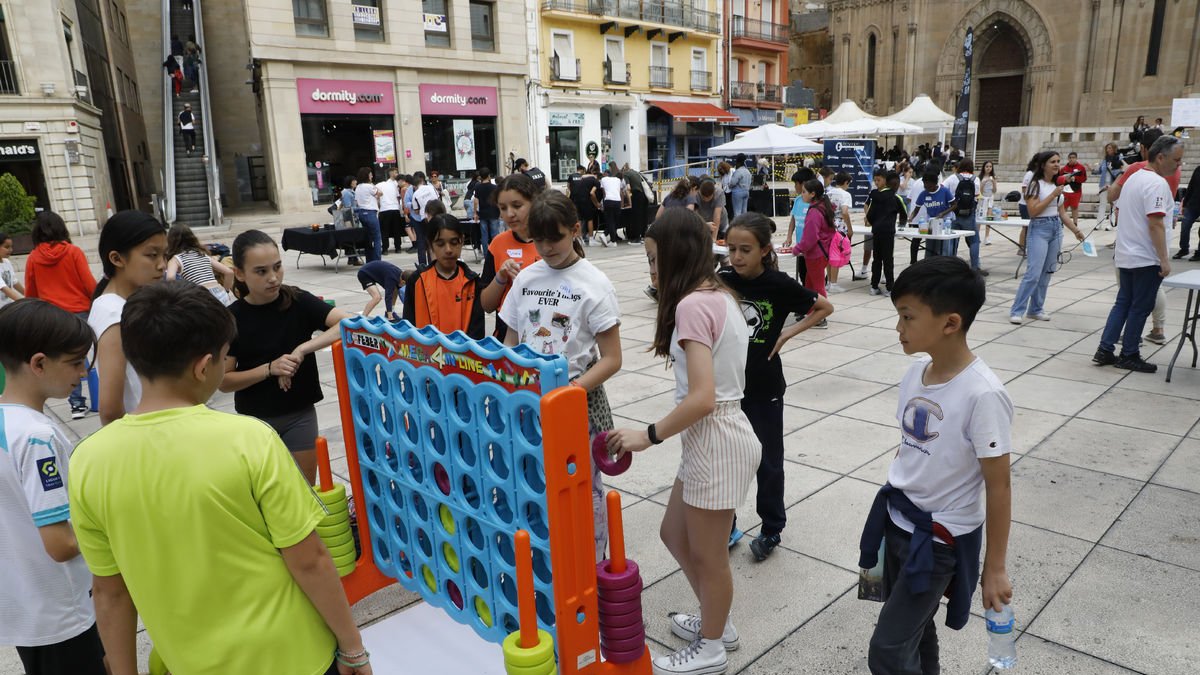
1044 240
366 207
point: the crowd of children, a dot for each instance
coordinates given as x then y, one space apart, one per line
210 483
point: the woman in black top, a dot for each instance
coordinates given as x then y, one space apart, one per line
271 366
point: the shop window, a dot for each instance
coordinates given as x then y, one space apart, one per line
1156 33
437 23
368 20
310 17
483 26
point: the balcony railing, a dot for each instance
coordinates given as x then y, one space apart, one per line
556 71
771 93
662 77
616 72
701 80
8 78
667 12
742 91
759 30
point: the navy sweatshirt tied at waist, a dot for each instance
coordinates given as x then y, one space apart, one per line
919 566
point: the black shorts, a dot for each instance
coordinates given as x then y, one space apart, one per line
80 655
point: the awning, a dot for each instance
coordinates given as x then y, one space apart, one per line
694 112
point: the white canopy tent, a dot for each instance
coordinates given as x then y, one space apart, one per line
848 111
924 113
815 129
877 126
769 139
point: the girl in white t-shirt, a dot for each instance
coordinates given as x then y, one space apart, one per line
1047 215
703 333
562 304
133 249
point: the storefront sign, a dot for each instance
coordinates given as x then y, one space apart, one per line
19 150
345 97
464 145
456 100
365 15
566 119
385 147
435 23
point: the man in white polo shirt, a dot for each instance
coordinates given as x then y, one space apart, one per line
1147 213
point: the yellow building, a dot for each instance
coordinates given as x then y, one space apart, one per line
634 81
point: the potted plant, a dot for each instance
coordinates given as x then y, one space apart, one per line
16 213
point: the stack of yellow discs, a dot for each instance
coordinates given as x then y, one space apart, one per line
537 660
334 529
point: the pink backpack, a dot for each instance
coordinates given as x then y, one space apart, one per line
838 254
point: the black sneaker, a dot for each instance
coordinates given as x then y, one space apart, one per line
763 546
982 272
1180 254
1195 257
79 412
1104 358
1135 363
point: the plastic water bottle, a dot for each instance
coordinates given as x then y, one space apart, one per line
1002 638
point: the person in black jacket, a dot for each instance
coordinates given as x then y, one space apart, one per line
884 208
1191 213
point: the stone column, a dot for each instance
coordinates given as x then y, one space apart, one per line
909 63
844 79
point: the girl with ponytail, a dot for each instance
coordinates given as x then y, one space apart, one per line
818 234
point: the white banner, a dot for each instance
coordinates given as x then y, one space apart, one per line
464 145
365 15
435 23
1185 112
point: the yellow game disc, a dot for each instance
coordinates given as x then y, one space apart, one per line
535 657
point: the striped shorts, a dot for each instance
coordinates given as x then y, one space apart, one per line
720 458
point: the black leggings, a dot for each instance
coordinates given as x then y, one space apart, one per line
885 254
612 215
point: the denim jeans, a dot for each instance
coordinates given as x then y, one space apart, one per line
1042 246
741 197
1190 215
1135 301
421 244
489 229
370 220
968 222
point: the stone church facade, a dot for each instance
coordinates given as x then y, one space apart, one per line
1038 63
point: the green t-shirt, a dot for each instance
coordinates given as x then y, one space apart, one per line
190 506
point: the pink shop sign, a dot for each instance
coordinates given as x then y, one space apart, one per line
447 99
345 97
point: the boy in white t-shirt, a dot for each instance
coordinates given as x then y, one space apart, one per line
11 288
45 588
949 477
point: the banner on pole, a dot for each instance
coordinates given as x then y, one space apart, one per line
855 157
958 138
385 147
464 145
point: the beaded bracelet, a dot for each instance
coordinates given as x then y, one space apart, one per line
343 658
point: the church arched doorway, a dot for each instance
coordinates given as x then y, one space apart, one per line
1000 69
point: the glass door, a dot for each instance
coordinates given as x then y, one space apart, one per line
564 151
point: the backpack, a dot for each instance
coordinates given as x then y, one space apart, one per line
964 195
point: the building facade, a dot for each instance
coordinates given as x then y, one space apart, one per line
306 92
810 56
634 81
1037 63
64 122
758 41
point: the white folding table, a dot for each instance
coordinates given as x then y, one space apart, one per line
1191 281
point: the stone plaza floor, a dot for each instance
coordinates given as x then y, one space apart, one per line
1105 542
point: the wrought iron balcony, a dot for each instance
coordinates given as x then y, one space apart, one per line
662 77
701 80
755 29
674 13
771 93
556 71
743 91
8 78
616 72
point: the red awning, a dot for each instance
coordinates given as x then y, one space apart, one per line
694 112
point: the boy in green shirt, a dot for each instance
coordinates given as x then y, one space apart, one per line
199 520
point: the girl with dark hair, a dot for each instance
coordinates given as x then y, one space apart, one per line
1047 214
702 329
445 293
271 366
57 271
366 207
512 250
191 261
680 197
132 251
710 204
818 234
987 191
584 325
768 297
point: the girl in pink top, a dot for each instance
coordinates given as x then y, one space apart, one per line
818 234
703 334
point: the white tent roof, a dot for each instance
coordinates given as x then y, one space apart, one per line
769 139
880 126
815 129
924 113
848 111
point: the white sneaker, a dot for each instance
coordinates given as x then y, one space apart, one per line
701 657
834 288
1040 316
687 626
603 239
1015 318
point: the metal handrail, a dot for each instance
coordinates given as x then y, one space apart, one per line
662 77
701 80
743 91
168 123
215 211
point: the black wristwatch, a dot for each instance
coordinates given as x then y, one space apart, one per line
654 439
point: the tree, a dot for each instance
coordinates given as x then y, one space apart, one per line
16 207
